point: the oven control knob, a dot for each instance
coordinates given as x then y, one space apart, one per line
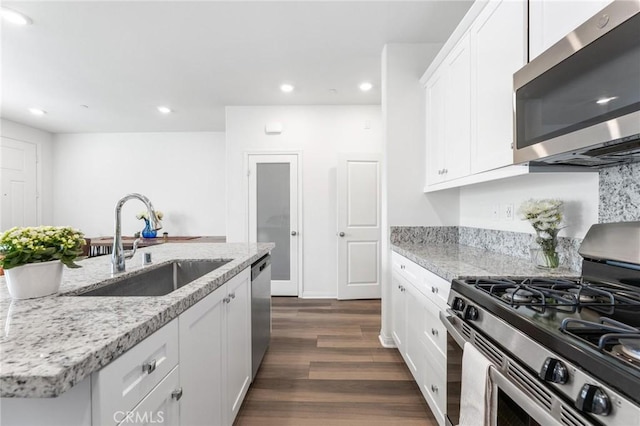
553 370
458 304
471 313
592 399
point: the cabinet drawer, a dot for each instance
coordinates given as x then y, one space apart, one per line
121 385
434 331
159 407
406 268
434 384
438 289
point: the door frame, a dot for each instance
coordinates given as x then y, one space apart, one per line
300 230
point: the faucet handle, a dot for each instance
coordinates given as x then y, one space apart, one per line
129 254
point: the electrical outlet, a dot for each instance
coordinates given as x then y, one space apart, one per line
495 212
508 211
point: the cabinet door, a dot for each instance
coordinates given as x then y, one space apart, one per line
201 342
434 131
551 20
238 336
498 43
160 407
416 320
457 111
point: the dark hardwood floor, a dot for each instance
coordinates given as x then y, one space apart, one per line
325 366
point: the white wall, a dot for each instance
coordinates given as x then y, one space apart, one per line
182 173
579 191
403 113
403 116
44 148
319 133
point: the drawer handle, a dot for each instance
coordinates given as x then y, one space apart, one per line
434 331
401 266
434 389
434 289
226 300
232 295
176 394
149 367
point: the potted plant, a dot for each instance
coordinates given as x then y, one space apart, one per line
32 258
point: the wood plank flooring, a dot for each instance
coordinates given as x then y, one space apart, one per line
325 366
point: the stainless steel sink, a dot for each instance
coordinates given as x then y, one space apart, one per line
159 281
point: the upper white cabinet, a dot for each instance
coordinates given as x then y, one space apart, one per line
448 116
498 48
551 20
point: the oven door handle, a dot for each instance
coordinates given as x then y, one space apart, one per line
448 321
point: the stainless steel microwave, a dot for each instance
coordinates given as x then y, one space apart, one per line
578 103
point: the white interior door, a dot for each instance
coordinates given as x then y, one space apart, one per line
358 226
273 216
17 184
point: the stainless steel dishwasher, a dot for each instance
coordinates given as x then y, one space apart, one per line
260 311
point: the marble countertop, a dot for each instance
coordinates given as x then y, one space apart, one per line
451 261
52 343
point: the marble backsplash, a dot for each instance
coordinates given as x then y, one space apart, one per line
514 244
619 193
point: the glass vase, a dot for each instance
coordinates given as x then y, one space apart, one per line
147 232
544 257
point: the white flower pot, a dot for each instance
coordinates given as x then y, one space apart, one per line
34 279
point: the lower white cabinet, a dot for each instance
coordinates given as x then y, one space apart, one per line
417 298
215 354
160 407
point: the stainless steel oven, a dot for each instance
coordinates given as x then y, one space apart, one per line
519 397
562 350
578 103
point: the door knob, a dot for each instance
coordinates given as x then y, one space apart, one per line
294 233
341 234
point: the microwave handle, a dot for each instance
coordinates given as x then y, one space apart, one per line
447 321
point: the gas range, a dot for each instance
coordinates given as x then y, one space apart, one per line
580 337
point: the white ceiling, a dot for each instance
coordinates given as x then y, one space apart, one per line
104 66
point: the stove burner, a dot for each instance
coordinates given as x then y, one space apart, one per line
518 295
583 296
631 347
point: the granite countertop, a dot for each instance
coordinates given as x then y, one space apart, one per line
52 343
451 261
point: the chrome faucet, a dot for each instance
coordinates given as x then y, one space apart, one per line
118 254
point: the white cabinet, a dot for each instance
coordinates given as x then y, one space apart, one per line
160 407
215 354
498 47
201 341
237 355
552 20
448 121
122 384
417 298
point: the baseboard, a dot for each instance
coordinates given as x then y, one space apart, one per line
386 341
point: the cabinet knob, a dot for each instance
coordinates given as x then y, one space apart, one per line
434 331
176 394
294 233
232 295
341 234
434 289
402 266
445 171
149 367
226 300
434 389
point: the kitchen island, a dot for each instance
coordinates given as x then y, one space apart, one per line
52 344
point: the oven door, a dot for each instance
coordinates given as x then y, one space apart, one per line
511 405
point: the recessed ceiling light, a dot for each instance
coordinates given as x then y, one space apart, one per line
14 17
37 111
605 100
287 88
165 110
365 86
